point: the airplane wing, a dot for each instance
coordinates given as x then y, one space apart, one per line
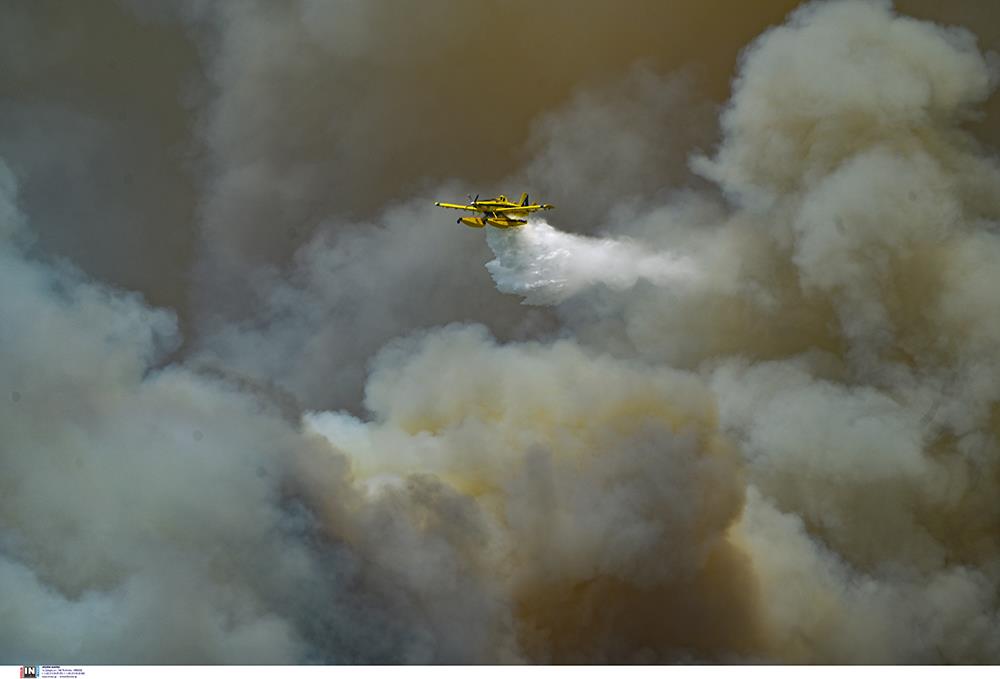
453 206
522 208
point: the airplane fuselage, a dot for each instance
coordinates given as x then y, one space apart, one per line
505 220
498 212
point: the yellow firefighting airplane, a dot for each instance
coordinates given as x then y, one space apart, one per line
498 212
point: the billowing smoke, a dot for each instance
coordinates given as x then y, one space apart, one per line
850 350
752 415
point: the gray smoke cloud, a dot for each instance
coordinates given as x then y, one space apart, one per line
158 515
847 339
409 271
96 112
276 410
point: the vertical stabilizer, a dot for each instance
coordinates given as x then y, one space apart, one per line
524 199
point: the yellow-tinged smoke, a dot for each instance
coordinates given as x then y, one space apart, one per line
840 506
604 486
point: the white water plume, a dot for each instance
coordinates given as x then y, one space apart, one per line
547 266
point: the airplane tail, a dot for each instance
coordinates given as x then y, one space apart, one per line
524 199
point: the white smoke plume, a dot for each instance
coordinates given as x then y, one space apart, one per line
755 420
547 266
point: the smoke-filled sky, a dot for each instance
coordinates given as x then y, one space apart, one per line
736 400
